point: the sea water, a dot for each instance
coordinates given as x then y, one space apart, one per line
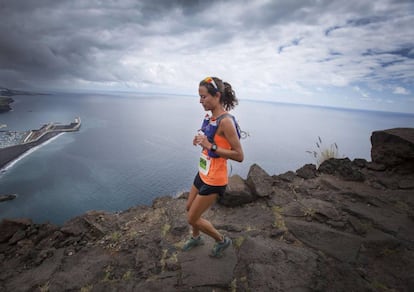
132 148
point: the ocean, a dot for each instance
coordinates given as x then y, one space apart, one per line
133 148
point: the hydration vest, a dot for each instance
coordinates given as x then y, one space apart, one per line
209 127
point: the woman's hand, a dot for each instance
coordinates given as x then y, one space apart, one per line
195 143
201 140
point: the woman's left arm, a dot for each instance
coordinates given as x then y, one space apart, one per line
228 130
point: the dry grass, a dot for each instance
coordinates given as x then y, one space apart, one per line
324 153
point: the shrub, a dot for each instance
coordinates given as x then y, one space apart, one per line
324 153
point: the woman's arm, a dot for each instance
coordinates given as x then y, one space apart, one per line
228 130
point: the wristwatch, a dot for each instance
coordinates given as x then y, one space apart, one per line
213 147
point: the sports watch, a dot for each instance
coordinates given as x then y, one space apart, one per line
213 147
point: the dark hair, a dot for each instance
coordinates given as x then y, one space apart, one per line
227 97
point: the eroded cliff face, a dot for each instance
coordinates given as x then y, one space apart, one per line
347 226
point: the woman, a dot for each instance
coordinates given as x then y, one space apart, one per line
219 140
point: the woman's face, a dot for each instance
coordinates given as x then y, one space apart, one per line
207 100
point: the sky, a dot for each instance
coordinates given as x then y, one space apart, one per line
352 54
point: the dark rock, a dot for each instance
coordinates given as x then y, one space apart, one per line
294 209
269 265
406 184
359 162
75 227
307 171
383 218
237 193
90 223
259 182
281 197
147 259
341 167
334 277
394 148
9 227
359 227
314 207
288 176
340 245
212 272
7 197
19 235
376 166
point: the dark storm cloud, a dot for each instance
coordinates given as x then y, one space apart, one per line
49 43
52 40
46 40
56 40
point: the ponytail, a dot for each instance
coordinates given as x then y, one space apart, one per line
228 98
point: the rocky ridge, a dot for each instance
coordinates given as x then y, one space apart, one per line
346 226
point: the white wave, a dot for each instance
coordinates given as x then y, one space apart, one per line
27 153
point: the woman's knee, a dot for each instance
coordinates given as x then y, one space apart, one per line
192 219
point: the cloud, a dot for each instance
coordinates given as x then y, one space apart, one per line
401 90
265 48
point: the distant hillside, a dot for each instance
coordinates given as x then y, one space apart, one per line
5 104
11 92
6 100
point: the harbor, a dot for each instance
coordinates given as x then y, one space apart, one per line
13 143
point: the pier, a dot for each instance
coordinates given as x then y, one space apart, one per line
13 144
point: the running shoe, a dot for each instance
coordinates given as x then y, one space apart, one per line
193 242
219 247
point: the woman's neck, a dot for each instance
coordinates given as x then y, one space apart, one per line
217 112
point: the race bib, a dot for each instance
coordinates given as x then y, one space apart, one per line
204 164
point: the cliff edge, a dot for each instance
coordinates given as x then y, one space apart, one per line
346 226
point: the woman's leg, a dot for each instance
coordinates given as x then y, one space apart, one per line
191 197
198 206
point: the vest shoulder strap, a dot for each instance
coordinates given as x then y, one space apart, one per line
218 120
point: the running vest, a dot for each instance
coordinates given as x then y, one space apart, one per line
210 126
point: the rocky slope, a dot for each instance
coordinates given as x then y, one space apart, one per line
347 226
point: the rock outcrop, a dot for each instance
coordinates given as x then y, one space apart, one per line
7 197
394 149
308 230
5 104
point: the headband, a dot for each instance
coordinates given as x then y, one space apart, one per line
210 80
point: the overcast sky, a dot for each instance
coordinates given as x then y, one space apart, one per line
352 53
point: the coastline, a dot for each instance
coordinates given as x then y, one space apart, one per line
28 152
34 139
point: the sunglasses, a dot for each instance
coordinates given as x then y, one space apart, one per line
210 80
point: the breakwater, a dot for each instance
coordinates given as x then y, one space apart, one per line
15 148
